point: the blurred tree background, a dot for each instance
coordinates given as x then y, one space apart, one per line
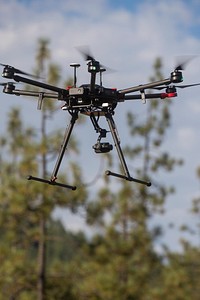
41 260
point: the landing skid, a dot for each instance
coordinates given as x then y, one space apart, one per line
109 118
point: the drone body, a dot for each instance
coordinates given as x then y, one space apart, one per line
94 101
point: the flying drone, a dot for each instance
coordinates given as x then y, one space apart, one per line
95 101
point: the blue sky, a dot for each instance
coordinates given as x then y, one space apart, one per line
126 36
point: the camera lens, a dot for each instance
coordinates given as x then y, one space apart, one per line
102 147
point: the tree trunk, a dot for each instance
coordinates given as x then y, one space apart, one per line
41 261
42 225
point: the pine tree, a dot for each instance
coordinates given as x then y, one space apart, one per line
42 57
121 262
26 207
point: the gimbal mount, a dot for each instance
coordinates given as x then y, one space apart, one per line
94 101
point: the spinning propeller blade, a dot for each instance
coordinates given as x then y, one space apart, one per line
19 71
86 53
182 61
5 83
176 86
186 86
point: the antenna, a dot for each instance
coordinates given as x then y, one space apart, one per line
101 71
75 66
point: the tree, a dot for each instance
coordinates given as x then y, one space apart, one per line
53 74
26 207
121 262
180 274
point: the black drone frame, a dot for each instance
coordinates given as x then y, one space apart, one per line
94 101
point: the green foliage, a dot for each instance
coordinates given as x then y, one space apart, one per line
22 204
149 131
121 263
26 207
41 260
180 274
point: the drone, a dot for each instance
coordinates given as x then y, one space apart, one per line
95 101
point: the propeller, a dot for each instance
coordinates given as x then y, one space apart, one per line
182 61
187 85
176 86
86 53
7 83
18 71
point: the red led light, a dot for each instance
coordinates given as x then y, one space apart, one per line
171 95
168 95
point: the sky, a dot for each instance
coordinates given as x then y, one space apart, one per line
127 36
